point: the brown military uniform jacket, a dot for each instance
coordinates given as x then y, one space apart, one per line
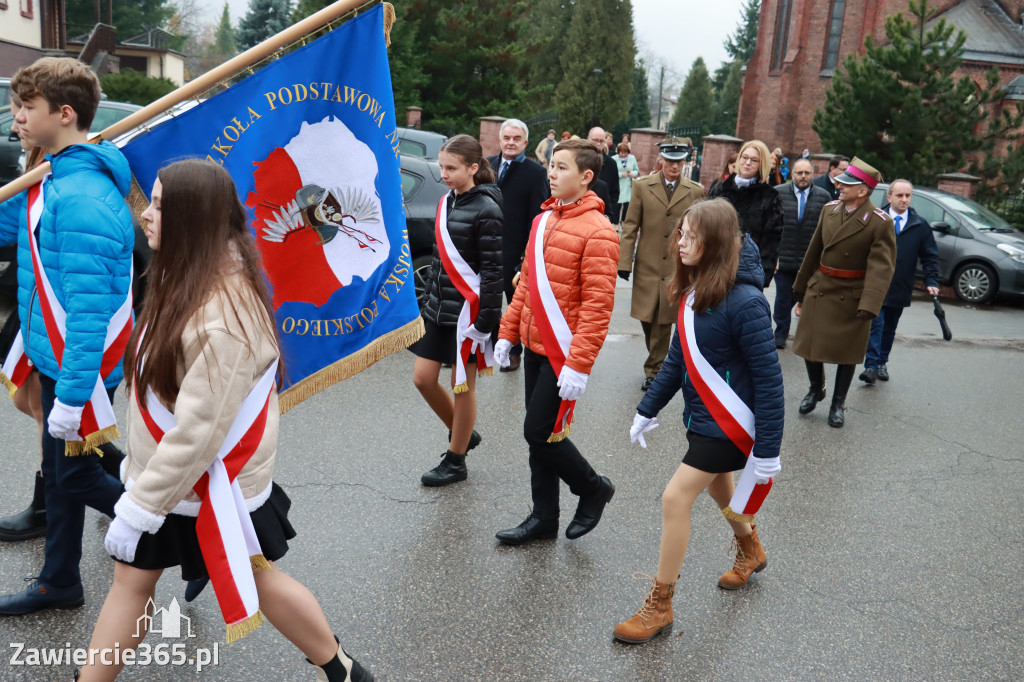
865 240
649 231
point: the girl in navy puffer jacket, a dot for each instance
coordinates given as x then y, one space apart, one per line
721 269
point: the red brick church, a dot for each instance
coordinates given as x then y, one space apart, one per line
800 43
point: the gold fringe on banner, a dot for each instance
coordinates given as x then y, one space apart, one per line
237 631
738 518
378 349
73 448
258 562
9 385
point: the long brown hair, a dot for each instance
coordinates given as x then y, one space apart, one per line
204 237
469 150
716 228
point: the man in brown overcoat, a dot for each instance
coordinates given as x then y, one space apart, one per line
842 282
655 211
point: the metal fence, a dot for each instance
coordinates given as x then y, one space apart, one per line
1010 207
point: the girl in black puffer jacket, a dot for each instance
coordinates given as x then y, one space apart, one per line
756 202
470 223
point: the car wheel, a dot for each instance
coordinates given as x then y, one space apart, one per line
975 283
420 265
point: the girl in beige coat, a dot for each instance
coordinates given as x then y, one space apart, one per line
204 340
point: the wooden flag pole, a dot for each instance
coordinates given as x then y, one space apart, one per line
200 85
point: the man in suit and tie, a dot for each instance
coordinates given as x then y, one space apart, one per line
837 165
655 211
802 202
524 187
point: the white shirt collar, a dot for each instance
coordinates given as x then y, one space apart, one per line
798 191
902 216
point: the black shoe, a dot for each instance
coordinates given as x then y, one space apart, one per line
513 363
883 372
452 469
589 510
38 596
811 400
647 383
194 588
868 376
529 530
780 342
836 415
474 440
30 523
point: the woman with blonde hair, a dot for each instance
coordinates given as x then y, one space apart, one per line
726 347
758 205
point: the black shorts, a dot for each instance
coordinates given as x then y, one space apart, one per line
438 344
713 455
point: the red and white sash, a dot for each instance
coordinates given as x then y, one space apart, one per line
99 424
227 538
730 413
468 283
554 330
17 367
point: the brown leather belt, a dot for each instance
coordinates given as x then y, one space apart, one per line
844 274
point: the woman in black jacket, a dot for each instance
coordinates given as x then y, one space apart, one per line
467 262
756 201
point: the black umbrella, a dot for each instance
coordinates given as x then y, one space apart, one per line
941 314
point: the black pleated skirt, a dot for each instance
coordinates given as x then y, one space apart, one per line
713 455
176 543
437 344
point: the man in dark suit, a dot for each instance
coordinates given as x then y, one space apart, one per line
524 187
837 165
802 202
609 174
914 241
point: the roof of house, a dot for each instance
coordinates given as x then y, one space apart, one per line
992 36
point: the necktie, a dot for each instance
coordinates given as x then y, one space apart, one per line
897 220
504 169
803 205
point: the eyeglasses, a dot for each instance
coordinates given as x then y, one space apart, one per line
687 238
750 159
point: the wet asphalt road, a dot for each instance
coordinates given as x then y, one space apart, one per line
895 545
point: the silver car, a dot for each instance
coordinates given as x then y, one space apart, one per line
980 254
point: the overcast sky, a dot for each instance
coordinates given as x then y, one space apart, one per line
677 31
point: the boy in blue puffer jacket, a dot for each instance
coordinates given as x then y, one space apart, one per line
84 237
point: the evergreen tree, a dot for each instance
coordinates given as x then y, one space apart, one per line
740 45
727 102
543 37
901 108
406 59
131 17
135 87
639 104
597 65
695 102
264 19
224 39
305 8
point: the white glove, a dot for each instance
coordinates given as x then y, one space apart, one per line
501 352
64 421
122 540
642 425
766 467
571 384
478 337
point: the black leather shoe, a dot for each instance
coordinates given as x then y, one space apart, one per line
38 596
647 383
868 376
194 588
30 523
513 363
474 440
883 372
589 510
452 469
780 342
836 415
811 400
529 530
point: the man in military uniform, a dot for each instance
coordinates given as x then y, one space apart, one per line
655 211
841 285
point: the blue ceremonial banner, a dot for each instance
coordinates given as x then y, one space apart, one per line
311 143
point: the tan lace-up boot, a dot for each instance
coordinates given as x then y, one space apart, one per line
653 618
750 558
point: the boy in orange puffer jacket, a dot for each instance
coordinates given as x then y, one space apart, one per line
560 313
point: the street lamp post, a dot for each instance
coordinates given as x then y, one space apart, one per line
596 73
